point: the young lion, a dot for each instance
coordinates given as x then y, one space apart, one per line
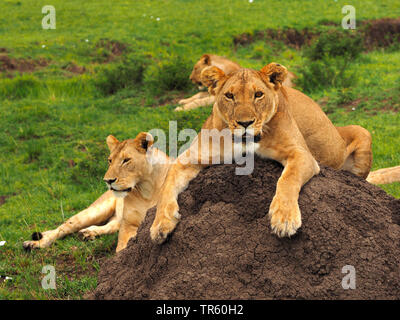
135 175
203 98
284 124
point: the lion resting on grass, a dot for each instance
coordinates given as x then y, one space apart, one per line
203 98
135 175
284 125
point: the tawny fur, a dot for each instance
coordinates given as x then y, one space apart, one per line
203 98
384 176
293 129
120 211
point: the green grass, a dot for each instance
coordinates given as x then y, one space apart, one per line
54 122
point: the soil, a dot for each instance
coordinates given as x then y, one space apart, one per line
8 64
73 68
223 247
383 32
290 36
3 199
114 47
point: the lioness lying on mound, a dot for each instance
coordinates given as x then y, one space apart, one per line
285 125
135 175
204 98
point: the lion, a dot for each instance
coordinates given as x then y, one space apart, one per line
203 98
135 175
278 123
384 176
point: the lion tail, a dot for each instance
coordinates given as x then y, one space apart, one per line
384 176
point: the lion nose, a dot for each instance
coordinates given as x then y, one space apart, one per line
245 124
110 181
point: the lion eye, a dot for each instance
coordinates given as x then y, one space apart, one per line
109 161
126 160
229 95
258 94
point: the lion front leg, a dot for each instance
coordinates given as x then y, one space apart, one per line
99 211
203 102
198 95
198 100
284 212
129 225
90 233
167 215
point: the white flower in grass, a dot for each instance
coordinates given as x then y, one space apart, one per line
158 19
251 1
2 243
353 108
87 40
43 46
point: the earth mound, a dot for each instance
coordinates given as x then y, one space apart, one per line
223 247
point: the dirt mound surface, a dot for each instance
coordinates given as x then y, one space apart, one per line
223 247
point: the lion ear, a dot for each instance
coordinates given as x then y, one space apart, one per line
143 141
112 142
212 77
275 73
206 59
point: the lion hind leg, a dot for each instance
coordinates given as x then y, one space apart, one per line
358 158
98 212
384 176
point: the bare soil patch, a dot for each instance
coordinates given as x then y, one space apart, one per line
381 32
114 49
3 199
74 68
375 33
8 64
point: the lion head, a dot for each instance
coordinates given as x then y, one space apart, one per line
246 99
195 76
128 163
208 60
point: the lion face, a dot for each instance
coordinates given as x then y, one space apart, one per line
246 99
195 76
128 164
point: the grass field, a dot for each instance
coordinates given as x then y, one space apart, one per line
82 81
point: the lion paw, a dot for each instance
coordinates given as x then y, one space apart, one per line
160 231
179 109
87 234
29 245
285 217
39 240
